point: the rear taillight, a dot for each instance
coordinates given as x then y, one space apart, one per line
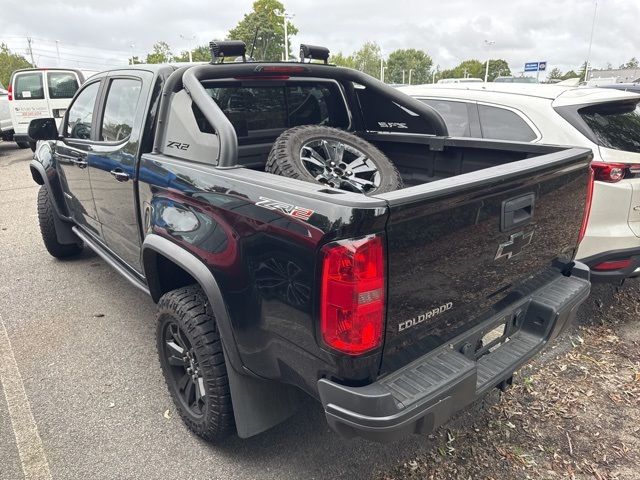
587 205
353 295
608 172
10 93
612 265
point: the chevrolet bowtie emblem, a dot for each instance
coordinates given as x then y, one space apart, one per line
514 245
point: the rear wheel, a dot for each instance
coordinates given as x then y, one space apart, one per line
48 228
190 351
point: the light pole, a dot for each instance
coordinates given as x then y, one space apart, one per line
593 26
488 43
131 46
436 70
189 41
410 72
403 77
286 17
58 51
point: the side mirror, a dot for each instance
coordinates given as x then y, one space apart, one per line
43 129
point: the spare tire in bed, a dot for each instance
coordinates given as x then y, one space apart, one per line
334 158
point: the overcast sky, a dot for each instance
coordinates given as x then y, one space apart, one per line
95 34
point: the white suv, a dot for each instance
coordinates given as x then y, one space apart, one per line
605 120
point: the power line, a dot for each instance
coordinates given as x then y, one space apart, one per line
24 37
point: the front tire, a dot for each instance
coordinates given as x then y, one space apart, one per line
193 365
48 228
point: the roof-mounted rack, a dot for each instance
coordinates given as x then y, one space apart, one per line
313 52
228 48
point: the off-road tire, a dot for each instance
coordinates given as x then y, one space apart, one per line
189 308
48 228
284 158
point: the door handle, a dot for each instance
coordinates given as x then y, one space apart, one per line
78 163
119 175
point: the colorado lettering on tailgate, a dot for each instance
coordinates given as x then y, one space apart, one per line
425 316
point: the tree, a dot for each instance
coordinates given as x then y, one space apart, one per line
497 68
632 63
570 74
270 28
405 60
342 60
554 74
161 53
198 54
368 59
135 60
467 68
10 62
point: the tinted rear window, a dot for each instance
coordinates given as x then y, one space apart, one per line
62 84
28 86
455 114
502 124
615 125
258 108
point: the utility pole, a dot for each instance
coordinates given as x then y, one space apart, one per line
33 63
131 46
403 76
410 72
189 40
382 70
593 26
488 43
286 17
58 52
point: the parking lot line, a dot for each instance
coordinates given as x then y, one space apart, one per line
32 456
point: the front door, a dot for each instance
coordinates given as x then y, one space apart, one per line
71 156
112 165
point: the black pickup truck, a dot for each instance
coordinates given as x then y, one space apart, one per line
394 310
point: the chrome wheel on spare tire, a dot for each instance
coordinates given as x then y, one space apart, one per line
333 157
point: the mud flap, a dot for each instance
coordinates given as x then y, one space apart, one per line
260 404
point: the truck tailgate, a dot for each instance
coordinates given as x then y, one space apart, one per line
459 248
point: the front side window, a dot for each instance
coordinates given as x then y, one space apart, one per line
62 84
615 125
502 124
455 115
80 114
120 109
28 86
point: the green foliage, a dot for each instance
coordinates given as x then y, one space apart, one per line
632 63
570 74
161 53
368 58
554 74
342 60
405 60
270 42
199 54
10 62
476 69
136 60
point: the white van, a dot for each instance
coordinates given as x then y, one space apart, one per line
41 93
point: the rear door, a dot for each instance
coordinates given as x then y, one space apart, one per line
62 85
29 100
459 248
112 163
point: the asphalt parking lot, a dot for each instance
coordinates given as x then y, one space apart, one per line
84 345
83 395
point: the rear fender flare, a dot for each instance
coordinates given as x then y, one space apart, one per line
156 245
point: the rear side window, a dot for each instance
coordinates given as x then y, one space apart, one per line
120 109
502 124
80 116
269 107
615 125
28 86
455 114
62 84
